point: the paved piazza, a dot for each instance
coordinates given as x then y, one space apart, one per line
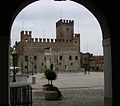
78 89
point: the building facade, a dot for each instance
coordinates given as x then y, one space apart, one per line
92 63
97 63
60 54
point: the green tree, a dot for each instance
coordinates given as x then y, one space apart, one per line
50 75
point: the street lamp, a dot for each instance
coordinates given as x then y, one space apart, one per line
26 59
15 57
35 66
32 68
31 61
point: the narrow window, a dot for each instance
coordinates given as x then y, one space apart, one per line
35 67
60 64
70 57
60 57
35 57
25 67
75 41
44 58
26 58
76 57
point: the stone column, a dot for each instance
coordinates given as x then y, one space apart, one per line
4 69
107 72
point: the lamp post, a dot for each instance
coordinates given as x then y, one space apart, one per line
26 59
32 68
31 61
14 55
35 67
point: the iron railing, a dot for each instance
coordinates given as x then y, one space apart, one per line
21 95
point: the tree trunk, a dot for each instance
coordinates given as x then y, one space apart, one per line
51 82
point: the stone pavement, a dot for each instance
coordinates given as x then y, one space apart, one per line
78 89
70 80
73 97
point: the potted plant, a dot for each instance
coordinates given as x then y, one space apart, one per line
50 91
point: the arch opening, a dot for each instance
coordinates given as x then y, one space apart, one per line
105 34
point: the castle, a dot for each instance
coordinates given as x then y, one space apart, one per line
60 54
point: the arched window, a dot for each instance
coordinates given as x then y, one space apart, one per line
70 57
35 57
76 57
26 58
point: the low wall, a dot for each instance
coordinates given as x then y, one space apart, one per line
19 78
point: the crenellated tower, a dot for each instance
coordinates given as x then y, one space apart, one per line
26 36
64 30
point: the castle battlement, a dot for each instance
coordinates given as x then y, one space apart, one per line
26 33
77 35
26 36
64 22
64 34
47 40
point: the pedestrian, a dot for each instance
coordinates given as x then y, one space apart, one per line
85 71
88 69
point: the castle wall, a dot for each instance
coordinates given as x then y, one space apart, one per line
34 49
37 49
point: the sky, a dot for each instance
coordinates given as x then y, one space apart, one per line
41 16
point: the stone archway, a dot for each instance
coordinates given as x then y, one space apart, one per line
106 45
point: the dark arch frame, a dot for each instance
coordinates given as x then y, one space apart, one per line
97 13
100 10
